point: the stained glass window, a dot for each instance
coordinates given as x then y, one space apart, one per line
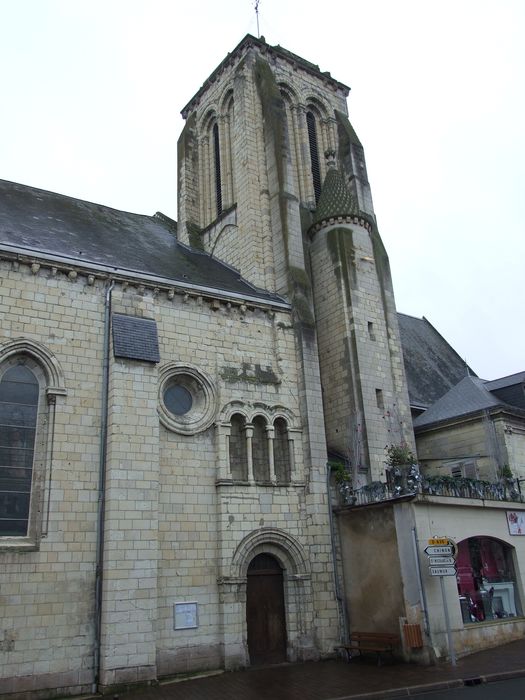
19 392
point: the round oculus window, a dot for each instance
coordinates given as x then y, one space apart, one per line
178 399
187 399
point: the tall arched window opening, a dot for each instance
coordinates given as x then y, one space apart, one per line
227 178
217 160
314 154
19 398
260 452
238 451
281 451
294 151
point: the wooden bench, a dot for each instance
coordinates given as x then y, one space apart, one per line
374 642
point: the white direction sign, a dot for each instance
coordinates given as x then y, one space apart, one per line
442 570
441 550
441 561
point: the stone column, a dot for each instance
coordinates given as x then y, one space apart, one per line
293 434
248 429
203 176
270 436
226 160
306 175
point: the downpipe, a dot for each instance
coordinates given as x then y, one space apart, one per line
102 486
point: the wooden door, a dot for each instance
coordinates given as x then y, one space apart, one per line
265 611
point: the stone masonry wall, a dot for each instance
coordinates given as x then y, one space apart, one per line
171 531
461 442
254 251
47 596
364 408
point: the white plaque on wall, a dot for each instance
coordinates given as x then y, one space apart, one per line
185 616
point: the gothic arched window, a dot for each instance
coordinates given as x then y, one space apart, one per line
19 397
30 381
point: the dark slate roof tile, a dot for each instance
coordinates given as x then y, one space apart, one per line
469 396
45 222
432 366
335 199
504 382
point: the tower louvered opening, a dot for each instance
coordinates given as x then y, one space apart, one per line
314 154
217 155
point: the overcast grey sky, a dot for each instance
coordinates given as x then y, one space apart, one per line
91 93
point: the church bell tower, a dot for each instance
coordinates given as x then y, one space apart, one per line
256 191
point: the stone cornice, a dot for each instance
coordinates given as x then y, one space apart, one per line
250 42
357 220
39 263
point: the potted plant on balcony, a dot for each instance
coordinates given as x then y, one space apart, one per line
343 479
402 470
510 483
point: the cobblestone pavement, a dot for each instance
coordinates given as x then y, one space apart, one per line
336 679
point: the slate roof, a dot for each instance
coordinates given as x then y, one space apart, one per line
432 366
504 382
510 389
335 199
469 396
45 222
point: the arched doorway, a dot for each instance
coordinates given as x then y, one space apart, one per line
265 614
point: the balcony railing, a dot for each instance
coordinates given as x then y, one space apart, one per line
408 481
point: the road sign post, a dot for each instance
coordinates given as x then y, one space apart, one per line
447 623
441 552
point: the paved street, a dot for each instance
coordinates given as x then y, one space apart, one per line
336 680
510 690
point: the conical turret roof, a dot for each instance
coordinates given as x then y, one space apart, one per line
335 199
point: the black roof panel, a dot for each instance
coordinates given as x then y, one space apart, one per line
432 366
46 222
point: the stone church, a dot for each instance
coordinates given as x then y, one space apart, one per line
173 395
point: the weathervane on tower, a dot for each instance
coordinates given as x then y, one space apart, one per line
256 5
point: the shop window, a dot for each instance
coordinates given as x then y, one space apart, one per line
487 580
